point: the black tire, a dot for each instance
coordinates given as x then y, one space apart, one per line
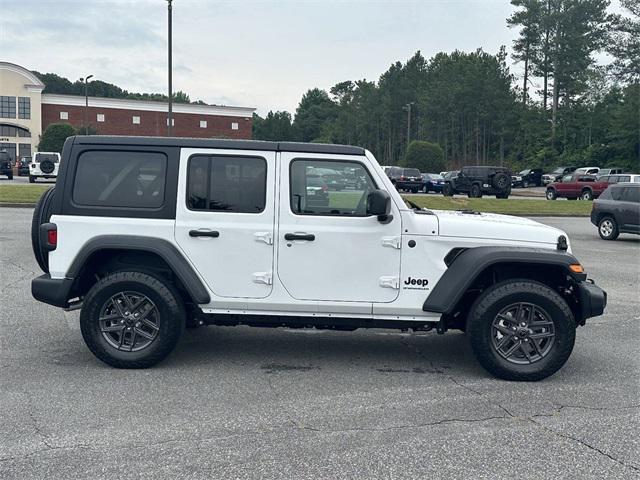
169 318
608 228
502 195
41 214
414 190
475 191
586 194
10 176
501 181
425 189
47 166
559 330
551 194
32 179
447 191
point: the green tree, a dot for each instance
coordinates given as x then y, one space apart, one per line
276 126
54 136
425 156
314 114
625 42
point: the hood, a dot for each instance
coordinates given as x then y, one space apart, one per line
491 226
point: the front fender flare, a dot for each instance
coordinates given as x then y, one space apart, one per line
473 261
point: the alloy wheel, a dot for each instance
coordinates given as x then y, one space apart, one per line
606 228
523 333
129 321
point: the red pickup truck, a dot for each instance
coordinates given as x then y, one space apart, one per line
576 185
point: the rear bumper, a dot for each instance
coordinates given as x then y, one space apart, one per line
54 291
593 300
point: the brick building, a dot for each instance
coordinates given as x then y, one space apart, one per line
25 113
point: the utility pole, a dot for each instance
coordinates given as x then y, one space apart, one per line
86 103
170 116
407 108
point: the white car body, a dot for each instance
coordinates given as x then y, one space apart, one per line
35 168
588 170
252 269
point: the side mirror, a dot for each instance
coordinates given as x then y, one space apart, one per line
460 175
379 204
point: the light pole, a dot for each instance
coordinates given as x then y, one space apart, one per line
169 118
407 108
86 102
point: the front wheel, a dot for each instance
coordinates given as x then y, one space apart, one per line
587 195
132 319
521 330
475 191
551 194
447 191
608 228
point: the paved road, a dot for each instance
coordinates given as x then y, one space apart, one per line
258 403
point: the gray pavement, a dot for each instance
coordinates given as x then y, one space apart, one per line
238 402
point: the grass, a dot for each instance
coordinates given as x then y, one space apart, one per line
522 207
29 194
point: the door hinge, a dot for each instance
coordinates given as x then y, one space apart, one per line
393 242
265 278
390 282
265 237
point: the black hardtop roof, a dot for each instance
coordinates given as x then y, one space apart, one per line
219 143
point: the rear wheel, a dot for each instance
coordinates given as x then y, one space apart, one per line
521 330
132 319
447 191
10 176
587 194
608 228
32 179
41 214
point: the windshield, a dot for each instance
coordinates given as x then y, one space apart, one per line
558 170
524 172
41 157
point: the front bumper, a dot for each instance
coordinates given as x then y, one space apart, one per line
54 291
593 300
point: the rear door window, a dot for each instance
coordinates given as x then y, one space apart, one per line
120 179
631 194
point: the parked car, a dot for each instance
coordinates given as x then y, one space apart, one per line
617 211
620 178
433 182
557 174
588 170
44 165
407 179
23 166
6 165
219 233
610 171
576 185
530 177
449 175
317 192
478 181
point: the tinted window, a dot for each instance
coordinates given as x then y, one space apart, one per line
40 157
411 172
625 178
227 184
631 194
312 193
120 179
567 178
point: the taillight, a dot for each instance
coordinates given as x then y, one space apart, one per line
52 237
403 177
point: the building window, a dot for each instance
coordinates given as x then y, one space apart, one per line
24 107
203 124
136 120
100 117
64 115
7 107
9 131
25 149
234 126
173 122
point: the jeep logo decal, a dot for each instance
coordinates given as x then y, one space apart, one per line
416 283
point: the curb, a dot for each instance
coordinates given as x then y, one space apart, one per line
18 205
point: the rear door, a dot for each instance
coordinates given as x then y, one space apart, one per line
630 208
329 249
225 219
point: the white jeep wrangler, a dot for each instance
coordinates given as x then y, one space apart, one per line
44 165
148 235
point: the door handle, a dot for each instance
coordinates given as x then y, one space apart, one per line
204 233
310 237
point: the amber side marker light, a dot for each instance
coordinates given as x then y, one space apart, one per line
576 268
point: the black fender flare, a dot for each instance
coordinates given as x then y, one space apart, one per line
470 263
164 249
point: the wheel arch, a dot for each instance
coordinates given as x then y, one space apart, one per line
108 253
475 269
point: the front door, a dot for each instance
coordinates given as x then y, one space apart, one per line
225 219
329 248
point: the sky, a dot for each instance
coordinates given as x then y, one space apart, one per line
262 54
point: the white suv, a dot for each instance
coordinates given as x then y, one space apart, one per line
44 165
147 235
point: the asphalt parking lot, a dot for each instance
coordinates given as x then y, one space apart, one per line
238 402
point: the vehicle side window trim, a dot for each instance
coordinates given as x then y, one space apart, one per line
335 160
